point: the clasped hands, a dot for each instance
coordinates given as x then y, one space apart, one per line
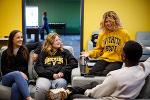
59 75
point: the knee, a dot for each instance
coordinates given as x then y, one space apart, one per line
61 83
15 73
14 87
42 84
105 72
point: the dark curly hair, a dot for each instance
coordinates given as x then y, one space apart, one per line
133 51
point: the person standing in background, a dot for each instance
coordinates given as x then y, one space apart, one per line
45 26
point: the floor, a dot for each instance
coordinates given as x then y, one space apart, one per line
74 41
69 40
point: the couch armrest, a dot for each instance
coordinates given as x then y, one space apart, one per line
81 80
5 92
90 45
32 74
75 72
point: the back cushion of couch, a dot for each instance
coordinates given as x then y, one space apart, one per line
145 92
1 51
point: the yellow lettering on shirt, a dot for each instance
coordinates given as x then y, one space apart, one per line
53 60
111 43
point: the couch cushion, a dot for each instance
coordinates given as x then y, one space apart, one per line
70 48
1 51
32 74
143 37
5 92
81 80
32 89
146 50
145 92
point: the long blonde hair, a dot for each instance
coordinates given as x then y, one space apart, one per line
112 15
47 46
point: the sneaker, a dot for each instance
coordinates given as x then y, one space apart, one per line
57 94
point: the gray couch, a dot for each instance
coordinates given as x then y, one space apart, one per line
144 39
5 92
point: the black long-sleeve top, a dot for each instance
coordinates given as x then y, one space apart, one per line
18 62
62 61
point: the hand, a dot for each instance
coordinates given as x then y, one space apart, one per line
55 76
84 54
34 57
24 76
60 74
87 92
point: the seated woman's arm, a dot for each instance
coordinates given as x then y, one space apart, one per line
4 67
37 49
71 62
40 67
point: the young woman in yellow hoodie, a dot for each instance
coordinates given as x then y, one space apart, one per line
109 45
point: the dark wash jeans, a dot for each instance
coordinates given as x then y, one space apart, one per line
78 92
102 67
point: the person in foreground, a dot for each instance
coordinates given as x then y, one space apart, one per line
53 67
14 63
108 46
125 83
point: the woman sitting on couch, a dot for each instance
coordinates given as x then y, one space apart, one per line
14 63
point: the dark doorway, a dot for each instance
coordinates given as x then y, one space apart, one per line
59 12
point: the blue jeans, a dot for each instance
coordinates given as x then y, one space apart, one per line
19 86
44 84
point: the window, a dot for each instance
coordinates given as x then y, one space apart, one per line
32 16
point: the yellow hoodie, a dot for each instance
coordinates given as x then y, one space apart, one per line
109 45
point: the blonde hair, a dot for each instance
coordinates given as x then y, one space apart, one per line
47 46
112 15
